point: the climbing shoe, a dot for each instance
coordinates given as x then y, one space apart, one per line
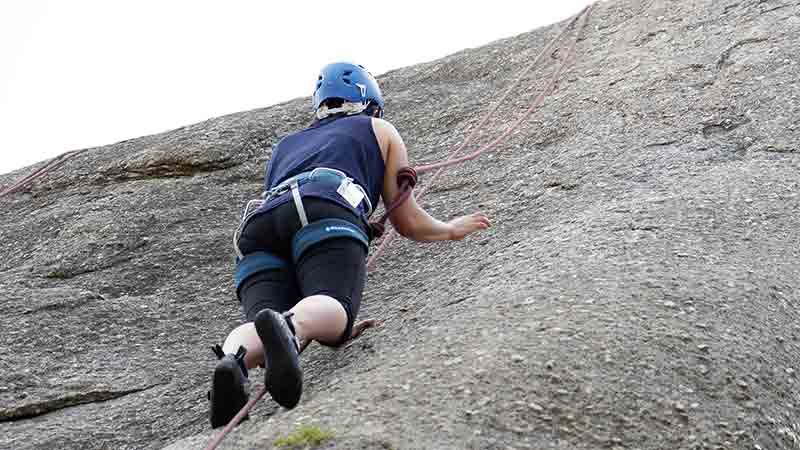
227 394
283 377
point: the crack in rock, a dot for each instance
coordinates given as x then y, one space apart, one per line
171 169
730 7
66 269
454 187
649 37
563 185
661 144
775 149
726 55
40 408
168 169
625 73
775 8
724 126
64 304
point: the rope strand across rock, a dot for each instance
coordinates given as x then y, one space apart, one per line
50 166
453 159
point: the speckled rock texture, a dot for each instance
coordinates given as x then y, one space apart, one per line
639 288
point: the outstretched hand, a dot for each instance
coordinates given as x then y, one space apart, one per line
464 225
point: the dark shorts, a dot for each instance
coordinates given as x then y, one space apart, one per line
334 267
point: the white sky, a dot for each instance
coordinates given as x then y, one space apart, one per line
88 73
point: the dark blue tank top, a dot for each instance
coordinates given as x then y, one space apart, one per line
345 143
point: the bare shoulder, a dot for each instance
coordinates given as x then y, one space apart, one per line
384 127
386 134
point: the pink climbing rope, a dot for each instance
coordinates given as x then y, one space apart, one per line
214 443
453 158
509 90
52 165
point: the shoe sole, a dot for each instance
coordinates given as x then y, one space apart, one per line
228 396
283 378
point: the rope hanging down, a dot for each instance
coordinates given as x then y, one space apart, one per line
454 159
52 165
407 179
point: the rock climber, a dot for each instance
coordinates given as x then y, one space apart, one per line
302 248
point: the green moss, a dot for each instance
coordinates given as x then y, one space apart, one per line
304 437
57 274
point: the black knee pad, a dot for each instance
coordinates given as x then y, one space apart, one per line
254 263
323 230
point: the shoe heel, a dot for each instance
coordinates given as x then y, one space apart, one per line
283 377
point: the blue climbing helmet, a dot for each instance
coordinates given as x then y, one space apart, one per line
349 82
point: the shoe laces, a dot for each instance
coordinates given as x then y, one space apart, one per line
239 356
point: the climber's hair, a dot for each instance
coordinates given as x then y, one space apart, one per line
334 102
335 106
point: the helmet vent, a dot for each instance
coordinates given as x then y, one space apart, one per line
347 80
347 73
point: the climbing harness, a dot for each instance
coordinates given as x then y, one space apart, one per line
407 177
336 179
309 233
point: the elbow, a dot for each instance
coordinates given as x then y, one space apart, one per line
406 228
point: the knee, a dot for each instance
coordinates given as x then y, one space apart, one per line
350 314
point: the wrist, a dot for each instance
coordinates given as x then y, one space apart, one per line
451 232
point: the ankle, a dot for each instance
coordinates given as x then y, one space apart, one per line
295 326
239 357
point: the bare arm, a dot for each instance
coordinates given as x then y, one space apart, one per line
409 219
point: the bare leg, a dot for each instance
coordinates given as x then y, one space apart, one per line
317 317
245 335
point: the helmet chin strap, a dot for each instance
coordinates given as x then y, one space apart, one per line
348 108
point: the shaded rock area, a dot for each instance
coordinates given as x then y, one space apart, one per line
639 289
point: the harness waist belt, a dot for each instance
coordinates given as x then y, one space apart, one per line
322 174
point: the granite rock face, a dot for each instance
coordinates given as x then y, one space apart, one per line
639 288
